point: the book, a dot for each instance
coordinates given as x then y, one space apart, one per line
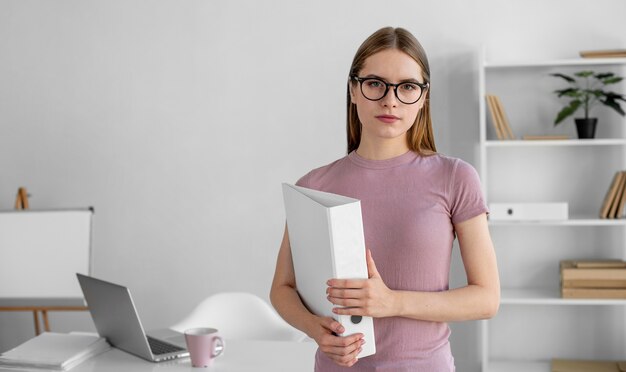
327 241
618 194
545 137
599 264
570 271
606 53
593 283
54 351
619 212
503 118
495 120
594 293
610 195
568 365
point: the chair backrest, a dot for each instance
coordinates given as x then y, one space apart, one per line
240 315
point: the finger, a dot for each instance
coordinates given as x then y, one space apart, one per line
341 341
344 293
346 283
349 311
345 302
333 325
346 360
341 346
371 265
350 358
342 351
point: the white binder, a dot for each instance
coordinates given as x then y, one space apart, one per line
326 238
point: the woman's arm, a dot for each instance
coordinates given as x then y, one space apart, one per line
479 299
285 299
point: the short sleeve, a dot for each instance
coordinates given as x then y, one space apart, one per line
466 194
304 181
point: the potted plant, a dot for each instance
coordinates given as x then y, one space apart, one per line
586 90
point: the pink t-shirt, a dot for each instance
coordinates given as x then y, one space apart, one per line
410 204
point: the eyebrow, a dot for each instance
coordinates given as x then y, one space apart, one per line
411 80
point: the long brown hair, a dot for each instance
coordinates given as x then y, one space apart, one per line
420 136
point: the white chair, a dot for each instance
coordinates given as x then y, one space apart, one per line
240 315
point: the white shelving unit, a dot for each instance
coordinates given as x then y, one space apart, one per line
534 323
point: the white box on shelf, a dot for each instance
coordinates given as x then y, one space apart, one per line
528 211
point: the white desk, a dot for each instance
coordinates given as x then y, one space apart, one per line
239 356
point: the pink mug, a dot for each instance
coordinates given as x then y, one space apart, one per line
204 345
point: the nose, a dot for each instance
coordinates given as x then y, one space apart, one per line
390 99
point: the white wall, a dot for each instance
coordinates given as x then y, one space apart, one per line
178 120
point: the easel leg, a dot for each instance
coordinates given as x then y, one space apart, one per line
36 318
46 324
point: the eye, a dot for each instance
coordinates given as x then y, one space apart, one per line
374 83
409 87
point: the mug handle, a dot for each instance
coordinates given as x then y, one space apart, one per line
218 346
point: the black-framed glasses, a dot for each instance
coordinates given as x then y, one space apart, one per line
375 89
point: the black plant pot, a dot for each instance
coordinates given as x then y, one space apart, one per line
586 128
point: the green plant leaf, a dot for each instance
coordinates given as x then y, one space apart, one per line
567 111
568 92
614 96
569 79
597 93
604 75
584 73
612 80
614 105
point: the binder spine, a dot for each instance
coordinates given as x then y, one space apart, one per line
349 262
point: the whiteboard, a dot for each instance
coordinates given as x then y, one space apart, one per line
41 252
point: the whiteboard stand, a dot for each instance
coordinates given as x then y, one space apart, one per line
40 253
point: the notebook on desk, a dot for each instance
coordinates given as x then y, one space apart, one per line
116 319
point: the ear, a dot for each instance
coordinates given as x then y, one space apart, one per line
422 101
351 89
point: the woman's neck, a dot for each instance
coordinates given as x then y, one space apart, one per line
382 150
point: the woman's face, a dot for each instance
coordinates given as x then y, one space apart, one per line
387 118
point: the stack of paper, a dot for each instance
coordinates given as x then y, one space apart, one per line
54 351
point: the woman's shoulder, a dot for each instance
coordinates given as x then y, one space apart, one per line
450 168
316 175
445 162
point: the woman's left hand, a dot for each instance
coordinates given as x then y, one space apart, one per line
365 297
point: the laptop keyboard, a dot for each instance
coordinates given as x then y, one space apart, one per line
159 347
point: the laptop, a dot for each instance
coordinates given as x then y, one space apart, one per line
116 319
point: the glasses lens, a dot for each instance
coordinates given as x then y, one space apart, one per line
373 89
409 92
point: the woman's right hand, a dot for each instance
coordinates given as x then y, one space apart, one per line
341 350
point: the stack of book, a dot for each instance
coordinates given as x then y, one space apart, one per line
593 279
53 351
498 118
615 198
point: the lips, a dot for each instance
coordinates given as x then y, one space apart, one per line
387 118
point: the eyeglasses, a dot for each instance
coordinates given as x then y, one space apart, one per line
375 89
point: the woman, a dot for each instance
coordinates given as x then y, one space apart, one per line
414 203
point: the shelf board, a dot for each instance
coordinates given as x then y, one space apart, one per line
542 296
518 366
559 62
569 142
568 222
